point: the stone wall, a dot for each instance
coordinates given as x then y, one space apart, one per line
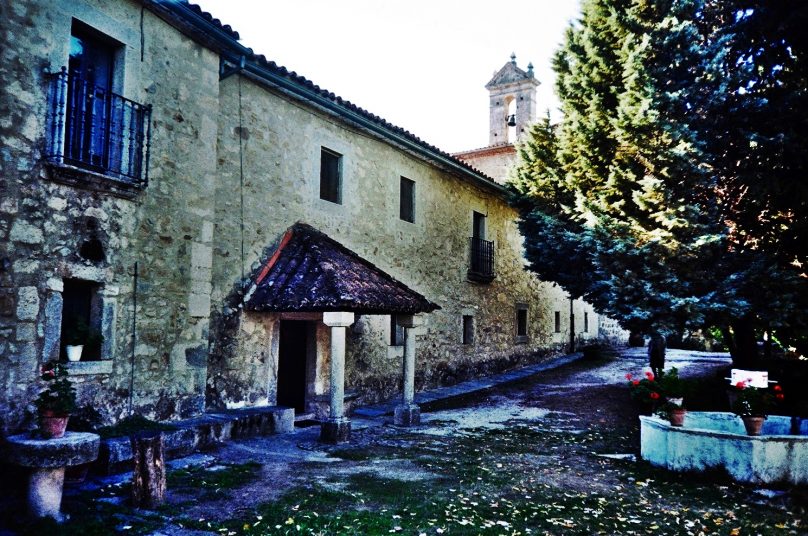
277 175
167 228
495 161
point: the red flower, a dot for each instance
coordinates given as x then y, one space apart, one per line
649 375
779 396
654 395
628 376
741 385
635 382
777 388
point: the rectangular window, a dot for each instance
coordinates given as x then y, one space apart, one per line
396 332
478 226
521 322
586 322
468 329
330 176
81 318
558 321
406 206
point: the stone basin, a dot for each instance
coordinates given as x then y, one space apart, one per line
47 459
717 440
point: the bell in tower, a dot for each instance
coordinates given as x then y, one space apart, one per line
512 94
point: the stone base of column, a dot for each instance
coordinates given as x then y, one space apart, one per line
45 493
335 430
407 415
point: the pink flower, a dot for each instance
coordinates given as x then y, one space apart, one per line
779 396
628 376
654 395
635 382
741 385
777 388
649 375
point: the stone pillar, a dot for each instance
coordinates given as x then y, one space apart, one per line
408 413
337 427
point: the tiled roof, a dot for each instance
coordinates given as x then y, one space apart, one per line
308 271
184 9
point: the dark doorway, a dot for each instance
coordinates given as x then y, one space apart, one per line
292 350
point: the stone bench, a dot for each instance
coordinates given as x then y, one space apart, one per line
47 459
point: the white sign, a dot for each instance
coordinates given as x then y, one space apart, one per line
750 378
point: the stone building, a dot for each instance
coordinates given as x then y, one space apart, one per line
221 232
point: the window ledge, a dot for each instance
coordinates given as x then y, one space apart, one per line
394 352
522 339
87 368
93 181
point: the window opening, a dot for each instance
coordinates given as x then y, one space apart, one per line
558 321
81 318
511 120
330 176
407 200
586 322
521 321
468 329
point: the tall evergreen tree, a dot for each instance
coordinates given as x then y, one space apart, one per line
674 187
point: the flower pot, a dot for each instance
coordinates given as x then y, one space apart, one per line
677 416
753 425
74 352
52 426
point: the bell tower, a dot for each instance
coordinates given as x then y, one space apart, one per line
512 94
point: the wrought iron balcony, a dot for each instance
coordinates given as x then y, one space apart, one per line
481 267
92 128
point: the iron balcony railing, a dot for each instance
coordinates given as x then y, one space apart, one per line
481 267
92 128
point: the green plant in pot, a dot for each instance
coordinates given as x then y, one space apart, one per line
79 338
752 405
55 404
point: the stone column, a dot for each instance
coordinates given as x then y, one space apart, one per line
337 427
408 413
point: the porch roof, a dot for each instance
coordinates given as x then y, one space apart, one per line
309 271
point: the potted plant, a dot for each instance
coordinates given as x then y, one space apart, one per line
56 403
74 337
78 336
673 388
752 405
645 391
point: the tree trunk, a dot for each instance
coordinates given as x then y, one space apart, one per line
149 476
744 351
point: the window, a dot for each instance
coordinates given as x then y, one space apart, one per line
586 322
481 266
81 318
330 176
468 329
558 321
521 322
406 205
396 332
90 126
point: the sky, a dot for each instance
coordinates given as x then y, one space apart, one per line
420 64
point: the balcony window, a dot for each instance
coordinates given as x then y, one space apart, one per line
481 263
90 127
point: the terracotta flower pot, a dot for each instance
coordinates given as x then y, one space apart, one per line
52 426
753 425
677 416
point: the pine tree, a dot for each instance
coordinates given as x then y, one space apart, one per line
672 193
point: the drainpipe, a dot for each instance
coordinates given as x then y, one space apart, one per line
572 328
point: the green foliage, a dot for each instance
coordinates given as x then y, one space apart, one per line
672 195
85 419
645 391
754 401
133 424
59 396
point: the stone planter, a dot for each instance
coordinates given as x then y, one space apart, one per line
74 352
753 425
52 426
